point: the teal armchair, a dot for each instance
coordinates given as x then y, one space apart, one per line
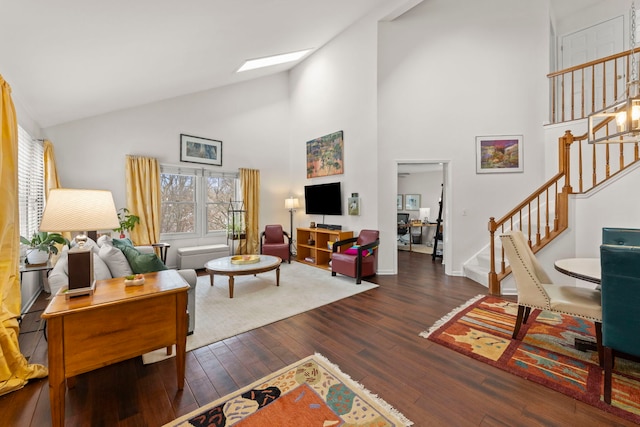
620 303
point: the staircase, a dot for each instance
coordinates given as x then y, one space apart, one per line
582 167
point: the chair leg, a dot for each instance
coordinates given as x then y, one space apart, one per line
333 273
527 311
519 319
608 368
599 343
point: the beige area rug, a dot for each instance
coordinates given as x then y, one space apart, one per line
423 249
257 301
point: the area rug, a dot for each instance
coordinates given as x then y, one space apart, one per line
257 301
482 329
310 392
423 249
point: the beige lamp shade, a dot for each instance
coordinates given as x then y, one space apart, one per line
70 209
291 203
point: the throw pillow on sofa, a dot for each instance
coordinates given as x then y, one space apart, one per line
115 260
142 263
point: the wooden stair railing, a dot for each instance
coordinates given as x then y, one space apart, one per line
578 91
534 216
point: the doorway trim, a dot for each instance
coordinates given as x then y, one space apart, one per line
446 208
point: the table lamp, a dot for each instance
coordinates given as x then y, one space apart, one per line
79 210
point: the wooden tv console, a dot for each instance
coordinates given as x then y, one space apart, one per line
319 252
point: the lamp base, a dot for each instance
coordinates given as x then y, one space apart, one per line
70 293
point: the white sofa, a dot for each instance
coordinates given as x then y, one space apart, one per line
110 262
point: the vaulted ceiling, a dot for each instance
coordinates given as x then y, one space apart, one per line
71 59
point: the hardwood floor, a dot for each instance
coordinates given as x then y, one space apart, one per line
372 336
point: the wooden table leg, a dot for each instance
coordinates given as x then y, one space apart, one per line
278 276
231 286
57 386
181 336
211 277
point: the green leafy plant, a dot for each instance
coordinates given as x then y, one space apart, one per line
127 220
45 241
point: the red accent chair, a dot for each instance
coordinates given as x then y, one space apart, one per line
360 262
272 242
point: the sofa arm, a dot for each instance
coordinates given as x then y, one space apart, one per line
190 276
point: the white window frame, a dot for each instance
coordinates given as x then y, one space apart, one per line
200 175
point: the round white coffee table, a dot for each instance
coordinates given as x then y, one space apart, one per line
225 267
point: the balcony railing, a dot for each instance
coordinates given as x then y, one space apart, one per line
578 91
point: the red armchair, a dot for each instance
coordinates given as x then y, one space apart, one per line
272 242
356 262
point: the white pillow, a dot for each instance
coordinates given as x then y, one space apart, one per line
115 260
100 269
104 240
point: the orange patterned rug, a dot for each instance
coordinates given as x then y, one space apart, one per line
482 329
310 392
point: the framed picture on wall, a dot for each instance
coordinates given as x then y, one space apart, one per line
400 202
499 154
200 150
411 202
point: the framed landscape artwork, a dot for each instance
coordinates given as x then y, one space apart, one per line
499 154
325 155
200 150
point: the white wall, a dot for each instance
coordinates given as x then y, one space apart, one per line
428 185
251 119
335 89
449 71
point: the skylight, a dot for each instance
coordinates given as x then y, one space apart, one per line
268 61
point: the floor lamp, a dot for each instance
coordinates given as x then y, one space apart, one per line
292 204
79 210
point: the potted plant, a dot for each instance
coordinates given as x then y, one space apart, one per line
41 245
127 221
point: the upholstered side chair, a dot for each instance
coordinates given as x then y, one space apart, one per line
357 256
620 301
535 289
272 242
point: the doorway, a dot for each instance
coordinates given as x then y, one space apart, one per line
421 187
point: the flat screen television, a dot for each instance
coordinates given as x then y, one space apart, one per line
323 199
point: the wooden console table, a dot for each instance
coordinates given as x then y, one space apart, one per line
116 323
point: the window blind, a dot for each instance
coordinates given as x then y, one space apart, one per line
30 182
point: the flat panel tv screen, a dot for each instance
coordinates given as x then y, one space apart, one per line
323 199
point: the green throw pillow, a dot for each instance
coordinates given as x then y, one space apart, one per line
142 263
121 243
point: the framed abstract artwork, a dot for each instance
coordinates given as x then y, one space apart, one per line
499 154
200 150
400 202
325 155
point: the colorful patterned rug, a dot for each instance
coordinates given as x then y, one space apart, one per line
482 329
310 392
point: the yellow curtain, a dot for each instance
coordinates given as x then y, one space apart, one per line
143 198
51 181
50 172
250 184
14 369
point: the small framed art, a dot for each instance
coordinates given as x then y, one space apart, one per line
400 202
411 202
499 154
200 150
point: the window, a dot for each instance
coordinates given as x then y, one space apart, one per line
30 182
195 201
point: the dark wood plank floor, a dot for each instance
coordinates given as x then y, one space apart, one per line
372 336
